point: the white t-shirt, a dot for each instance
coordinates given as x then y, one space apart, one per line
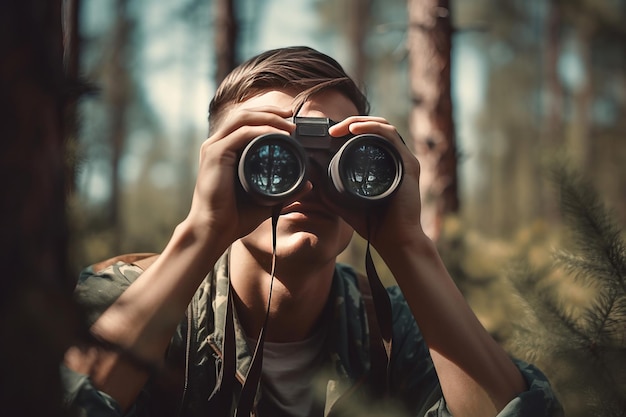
288 373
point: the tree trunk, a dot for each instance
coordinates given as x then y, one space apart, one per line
552 134
35 295
358 25
225 39
71 48
554 115
117 86
579 136
431 124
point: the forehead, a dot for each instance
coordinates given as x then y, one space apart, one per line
327 103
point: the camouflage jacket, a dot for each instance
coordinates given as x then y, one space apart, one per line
195 356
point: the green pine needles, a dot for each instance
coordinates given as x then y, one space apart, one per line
574 326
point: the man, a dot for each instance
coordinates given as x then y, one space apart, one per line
217 268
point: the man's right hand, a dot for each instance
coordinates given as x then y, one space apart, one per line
215 204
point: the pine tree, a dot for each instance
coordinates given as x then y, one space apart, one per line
575 322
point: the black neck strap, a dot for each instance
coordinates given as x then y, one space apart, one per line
251 383
380 349
379 322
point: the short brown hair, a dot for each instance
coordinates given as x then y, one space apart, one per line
297 68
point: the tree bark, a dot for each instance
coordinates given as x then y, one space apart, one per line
579 137
552 133
35 295
117 90
71 65
225 39
431 124
358 25
554 116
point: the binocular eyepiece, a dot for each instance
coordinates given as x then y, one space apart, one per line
363 169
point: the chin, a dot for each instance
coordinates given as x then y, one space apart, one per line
308 247
303 247
307 240
294 243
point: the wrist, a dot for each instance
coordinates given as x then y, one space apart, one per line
201 236
413 258
415 243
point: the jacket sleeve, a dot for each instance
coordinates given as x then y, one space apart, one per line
95 292
538 400
413 372
414 381
84 400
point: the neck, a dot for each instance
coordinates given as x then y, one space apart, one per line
299 294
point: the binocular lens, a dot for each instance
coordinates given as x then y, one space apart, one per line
368 170
367 167
271 167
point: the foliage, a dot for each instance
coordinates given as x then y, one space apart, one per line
575 322
555 295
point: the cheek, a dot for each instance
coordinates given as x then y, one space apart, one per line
261 235
345 235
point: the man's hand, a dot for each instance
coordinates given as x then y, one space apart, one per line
215 204
398 219
476 375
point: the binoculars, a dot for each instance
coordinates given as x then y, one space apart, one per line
362 169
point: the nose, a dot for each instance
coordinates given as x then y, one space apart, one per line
316 174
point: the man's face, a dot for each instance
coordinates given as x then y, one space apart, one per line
306 229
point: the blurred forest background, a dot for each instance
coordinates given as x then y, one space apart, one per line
515 108
531 81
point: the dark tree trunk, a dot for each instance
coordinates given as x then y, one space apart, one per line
71 48
431 124
579 141
117 96
358 25
553 116
225 39
35 288
552 133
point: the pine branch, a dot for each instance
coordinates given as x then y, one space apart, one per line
600 257
546 311
602 325
595 233
584 270
591 343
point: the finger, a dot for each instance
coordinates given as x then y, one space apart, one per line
260 116
343 127
235 141
385 130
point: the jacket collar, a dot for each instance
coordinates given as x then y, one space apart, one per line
348 338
